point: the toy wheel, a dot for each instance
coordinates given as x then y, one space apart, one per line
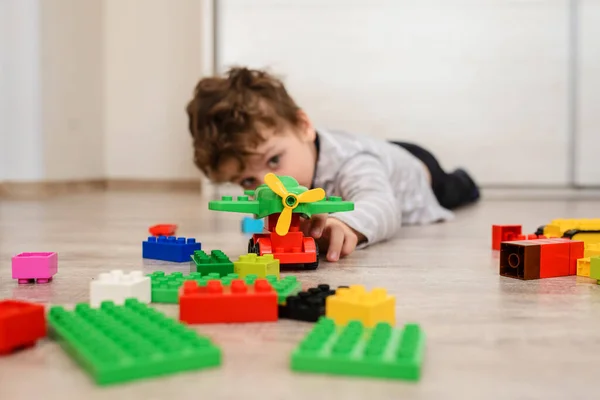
257 249
250 246
314 265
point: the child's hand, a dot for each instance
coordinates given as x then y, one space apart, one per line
332 235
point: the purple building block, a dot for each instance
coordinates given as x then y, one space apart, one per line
39 267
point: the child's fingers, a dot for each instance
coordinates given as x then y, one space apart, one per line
350 242
318 223
336 241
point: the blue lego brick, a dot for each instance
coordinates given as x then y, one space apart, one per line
169 248
251 225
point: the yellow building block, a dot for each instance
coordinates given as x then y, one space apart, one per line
583 266
557 227
254 264
355 303
591 250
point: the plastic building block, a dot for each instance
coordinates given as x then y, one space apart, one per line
252 264
285 287
355 303
252 225
356 350
591 250
238 302
583 266
558 227
217 262
541 258
118 286
169 248
163 230
595 267
503 233
22 324
38 267
165 287
306 306
116 344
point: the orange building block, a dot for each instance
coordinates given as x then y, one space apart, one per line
238 302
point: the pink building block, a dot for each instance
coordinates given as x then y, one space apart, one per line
39 267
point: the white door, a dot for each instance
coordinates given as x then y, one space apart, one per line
482 83
587 139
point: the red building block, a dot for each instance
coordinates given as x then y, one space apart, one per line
238 302
540 258
21 325
504 233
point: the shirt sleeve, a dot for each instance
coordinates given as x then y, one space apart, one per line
377 215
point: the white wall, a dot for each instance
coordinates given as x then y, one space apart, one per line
20 90
483 83
587 171
153 61
72 89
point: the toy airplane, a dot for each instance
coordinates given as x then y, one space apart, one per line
283 202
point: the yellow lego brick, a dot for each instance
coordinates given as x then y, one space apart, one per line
254 264
557 227
355 303
583 266
591 250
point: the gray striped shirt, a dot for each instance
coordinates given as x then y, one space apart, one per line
388 185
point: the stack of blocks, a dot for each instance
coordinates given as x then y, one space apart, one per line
357 337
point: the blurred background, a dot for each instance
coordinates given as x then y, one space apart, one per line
95 90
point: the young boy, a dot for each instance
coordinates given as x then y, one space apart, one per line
245 125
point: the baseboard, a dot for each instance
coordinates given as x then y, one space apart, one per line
36 190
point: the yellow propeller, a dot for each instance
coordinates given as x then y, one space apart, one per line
290 201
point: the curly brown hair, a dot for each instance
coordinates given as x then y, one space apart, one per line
226 114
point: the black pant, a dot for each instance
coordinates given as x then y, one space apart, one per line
452 190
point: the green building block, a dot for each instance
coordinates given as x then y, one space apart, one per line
165 287
595 267
116 344
288 286
217 262
379 352
253 264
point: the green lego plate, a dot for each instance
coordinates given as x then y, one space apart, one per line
165 287
117 344
379 352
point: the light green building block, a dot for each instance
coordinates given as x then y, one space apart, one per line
595 267
253 264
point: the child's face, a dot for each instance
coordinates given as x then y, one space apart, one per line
289 152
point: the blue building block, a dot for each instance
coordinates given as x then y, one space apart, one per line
169 248
251 225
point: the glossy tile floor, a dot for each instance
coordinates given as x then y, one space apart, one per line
487 336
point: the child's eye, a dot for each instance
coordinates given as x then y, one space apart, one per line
273 162
248 182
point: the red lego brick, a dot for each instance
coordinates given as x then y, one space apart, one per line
504 233
540 258
554 257
576 252
163 230
237 302
21 325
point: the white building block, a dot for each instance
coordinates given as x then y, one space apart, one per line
118 286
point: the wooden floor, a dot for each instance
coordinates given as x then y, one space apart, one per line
487 337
